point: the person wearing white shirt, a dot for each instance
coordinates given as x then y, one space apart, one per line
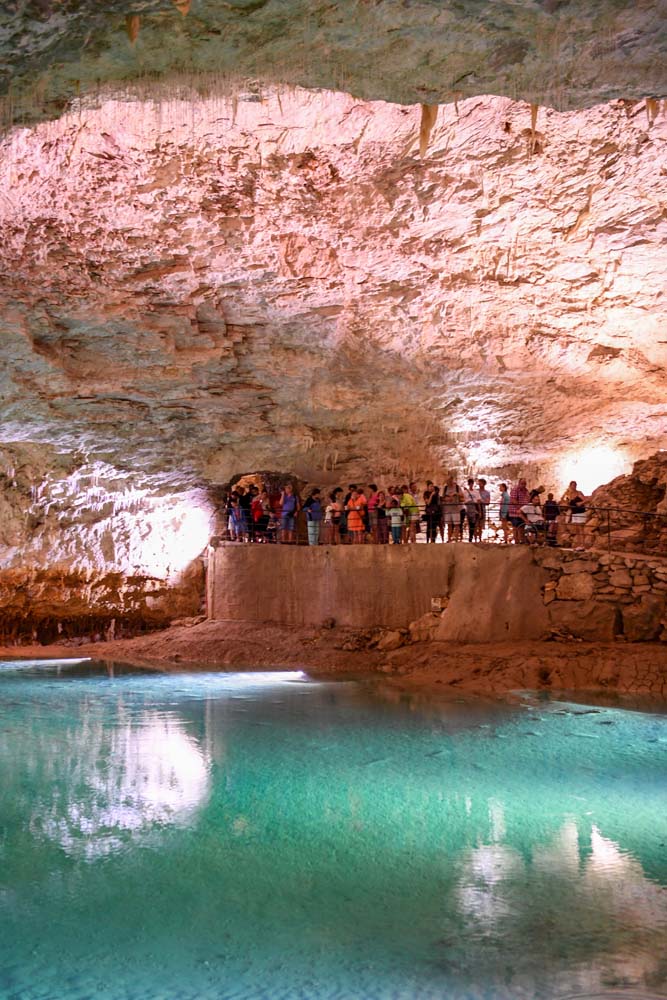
471 500
531 514
484 501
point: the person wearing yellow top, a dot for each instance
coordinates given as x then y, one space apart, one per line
410 509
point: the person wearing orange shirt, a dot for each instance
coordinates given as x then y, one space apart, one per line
355 516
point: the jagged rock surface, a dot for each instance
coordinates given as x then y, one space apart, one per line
630 512
196 289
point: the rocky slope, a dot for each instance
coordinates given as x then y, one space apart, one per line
630 512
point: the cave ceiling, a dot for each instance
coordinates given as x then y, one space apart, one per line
223 248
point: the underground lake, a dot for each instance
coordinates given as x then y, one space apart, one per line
268 835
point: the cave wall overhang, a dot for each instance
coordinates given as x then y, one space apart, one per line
565 54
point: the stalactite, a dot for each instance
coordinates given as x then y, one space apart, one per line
428 117
652 109
132 22
182 6
534 108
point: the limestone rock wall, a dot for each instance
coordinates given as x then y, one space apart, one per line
58 605
630 512
198 288
87 549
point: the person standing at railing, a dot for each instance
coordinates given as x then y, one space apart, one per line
313 509
484 501
452 498
332 516
344 533
433 514
577 506
245 500
519 496
260 512
364 514
289 508
238 521
355 517
504 512
253 494
382 520
551 510
371 510
410 509
471 501
395 515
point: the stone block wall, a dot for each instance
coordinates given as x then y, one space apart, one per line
601 595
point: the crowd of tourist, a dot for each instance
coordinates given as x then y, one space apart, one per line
397 514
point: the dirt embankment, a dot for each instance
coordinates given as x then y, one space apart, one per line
487 668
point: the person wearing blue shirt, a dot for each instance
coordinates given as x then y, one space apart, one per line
313 508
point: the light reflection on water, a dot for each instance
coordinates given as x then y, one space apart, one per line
265 836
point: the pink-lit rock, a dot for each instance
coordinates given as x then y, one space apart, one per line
209 287
200 288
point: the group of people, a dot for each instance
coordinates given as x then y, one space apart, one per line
397 514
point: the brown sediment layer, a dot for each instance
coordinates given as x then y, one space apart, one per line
487 668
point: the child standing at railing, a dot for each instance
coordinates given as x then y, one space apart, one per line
395 515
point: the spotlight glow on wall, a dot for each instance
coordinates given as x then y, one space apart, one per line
171 537
591 466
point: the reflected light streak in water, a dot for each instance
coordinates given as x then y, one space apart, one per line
31 664
122 784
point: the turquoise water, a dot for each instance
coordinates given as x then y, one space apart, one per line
250 836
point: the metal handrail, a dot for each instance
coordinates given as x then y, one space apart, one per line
493 530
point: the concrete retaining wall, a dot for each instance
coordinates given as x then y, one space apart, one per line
489 592
492 592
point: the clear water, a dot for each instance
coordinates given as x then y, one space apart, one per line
239 836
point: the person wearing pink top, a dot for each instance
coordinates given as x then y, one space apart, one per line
519 496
